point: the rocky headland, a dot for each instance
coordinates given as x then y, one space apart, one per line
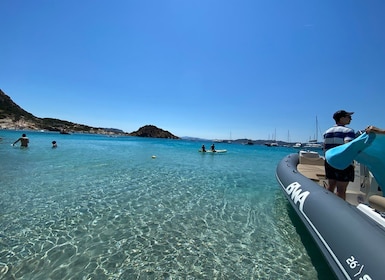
12 116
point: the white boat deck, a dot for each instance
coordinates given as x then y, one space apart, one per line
364 189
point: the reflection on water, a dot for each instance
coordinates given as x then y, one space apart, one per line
99 208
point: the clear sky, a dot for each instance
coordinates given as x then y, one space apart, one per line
205 68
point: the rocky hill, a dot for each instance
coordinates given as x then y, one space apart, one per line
153 131
12 116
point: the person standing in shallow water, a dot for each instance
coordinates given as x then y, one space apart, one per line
54 144
23 140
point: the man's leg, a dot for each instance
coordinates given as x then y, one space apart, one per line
332 185
341 189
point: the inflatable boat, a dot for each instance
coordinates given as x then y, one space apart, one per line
350 234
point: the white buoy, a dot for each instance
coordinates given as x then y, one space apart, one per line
153 156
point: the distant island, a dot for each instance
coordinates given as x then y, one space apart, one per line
153 131
12 116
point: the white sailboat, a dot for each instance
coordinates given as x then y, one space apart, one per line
313 144
274 142
230 141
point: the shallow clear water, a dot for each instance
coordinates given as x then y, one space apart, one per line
101 207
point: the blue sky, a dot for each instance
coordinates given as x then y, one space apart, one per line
204 68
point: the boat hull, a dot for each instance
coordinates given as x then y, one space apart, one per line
352 244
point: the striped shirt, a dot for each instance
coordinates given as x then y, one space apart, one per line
337 135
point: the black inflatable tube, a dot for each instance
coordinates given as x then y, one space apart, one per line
351 242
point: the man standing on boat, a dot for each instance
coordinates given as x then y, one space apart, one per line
337 135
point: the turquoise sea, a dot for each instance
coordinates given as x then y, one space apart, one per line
99 207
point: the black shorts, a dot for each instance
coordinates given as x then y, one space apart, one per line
344 175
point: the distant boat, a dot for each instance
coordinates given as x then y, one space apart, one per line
63 131
297 145
271 144
313 144
230 141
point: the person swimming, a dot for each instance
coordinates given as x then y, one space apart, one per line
23 140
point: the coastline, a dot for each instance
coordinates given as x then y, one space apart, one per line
9 124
